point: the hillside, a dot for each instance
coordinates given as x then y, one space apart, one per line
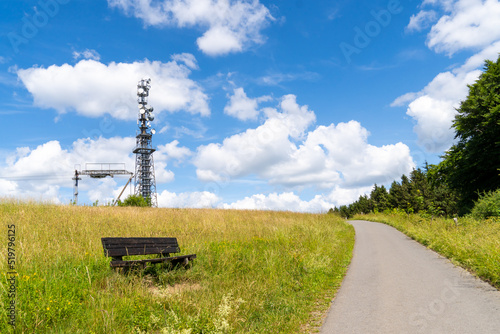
256 271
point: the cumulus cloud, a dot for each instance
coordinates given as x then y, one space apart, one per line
287 201
93 89
42 171
203 199
243 107
359 163
172 151
345 196
468 24
229 25
255 149
282 153
8 188
435 108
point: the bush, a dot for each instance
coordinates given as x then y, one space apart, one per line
488 205
135 200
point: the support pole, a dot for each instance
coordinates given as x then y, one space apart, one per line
118 198
75 191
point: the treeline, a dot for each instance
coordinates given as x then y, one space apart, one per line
467 180
416 193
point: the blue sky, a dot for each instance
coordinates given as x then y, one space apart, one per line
287 105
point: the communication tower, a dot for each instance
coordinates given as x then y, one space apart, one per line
145 183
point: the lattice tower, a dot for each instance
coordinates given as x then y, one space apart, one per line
145 183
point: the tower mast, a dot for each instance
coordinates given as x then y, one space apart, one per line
145 183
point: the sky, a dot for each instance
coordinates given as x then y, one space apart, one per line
259 104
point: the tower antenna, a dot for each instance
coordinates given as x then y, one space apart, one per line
145 183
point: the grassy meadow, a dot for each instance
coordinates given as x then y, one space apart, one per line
469 243
255 272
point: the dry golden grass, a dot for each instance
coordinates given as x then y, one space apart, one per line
256 271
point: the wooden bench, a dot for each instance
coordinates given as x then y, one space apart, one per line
117 248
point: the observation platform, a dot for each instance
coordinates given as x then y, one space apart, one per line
101 170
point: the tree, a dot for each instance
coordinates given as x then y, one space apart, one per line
444 200
345 212
364 205
471 165
380 198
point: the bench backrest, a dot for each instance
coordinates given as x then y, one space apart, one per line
117 247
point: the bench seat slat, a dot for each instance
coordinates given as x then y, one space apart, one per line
141 251
117 263
159 244
121 241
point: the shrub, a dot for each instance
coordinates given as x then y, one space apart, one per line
488 205
135 200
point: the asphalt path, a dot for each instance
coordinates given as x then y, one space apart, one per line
396 285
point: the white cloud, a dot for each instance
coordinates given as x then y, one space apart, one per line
344 196
243 107
203 199
491 52
422 20
255 149
115 149
187 59
103 191
8 188
434 119
405 99
357 163
445 4
162 174
231 25
87 54
41 172
435 108
287 201
173 152
470 24
93 89
219 40
283 154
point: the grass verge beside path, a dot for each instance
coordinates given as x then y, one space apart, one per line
255 272
471 244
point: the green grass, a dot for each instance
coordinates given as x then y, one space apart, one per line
255 272
471 244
